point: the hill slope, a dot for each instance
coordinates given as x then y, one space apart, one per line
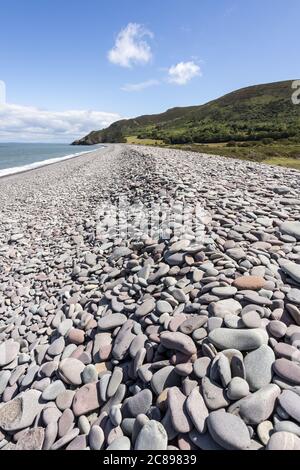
249 114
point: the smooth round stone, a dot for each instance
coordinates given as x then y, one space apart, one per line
114 382
86 399
51 414
213 323
138 404
288 426
181 245
294 296
175 259
238 388
178 412
203 441
179 295
277 328
89 374
152 436
290 402
56 347
65 423
214 395
110 322
64 327
145 308
64 399
287 351
121 443
233 321
259 406
291 228
249 283
197 410
228 430
201 366
264 431
243 340
83 425
8 352
224 291
251 319
193 323
226 307
258 365
164 378
224 371
163 306
288 370
96 438
76 336
70 370
283 441
290 268
53 390
178 341
199 334
115 415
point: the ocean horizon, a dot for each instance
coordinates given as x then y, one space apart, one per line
16 157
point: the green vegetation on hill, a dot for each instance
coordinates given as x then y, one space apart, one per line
261 113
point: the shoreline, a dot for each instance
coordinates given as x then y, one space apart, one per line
41 163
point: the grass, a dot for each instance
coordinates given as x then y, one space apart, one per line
281 153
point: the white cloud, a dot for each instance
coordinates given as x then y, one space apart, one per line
140 86
130 48
183 72
27 123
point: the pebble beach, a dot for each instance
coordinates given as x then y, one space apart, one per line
114 341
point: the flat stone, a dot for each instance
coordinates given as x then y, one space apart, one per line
243 340
53 390
121 443
258 365
251 319
229 431
197 410
192 324
178 412
96 438
64 399
20 413
165 377
76 336
163 306
70 370
294 296
56 347
290 268
123 341
86 399
138 404
110 322
214 395
89 374
179 342
204 441
152 436
287 351
238 388
145 308
259 406
290 402
291 228
201 366
249 283
283 441
226 307
63 441
114 382
31 439
8 352
288 370
79 443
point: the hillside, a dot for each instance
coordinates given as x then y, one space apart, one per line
254 113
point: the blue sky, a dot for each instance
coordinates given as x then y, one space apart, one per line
57 62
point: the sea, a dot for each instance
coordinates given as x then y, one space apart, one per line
19 157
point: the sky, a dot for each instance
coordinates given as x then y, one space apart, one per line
71 66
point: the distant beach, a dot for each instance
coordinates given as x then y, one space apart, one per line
20 157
